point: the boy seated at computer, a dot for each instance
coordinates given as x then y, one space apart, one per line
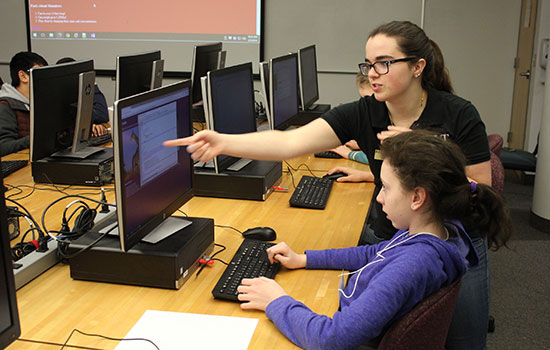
15 103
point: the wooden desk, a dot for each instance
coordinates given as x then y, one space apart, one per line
53 304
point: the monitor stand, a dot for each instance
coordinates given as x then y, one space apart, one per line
310 114
238 165
207 165
167 228
79 153
197 113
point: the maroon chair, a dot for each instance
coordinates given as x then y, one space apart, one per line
426 325
497 169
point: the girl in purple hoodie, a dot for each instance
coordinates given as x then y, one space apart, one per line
426 195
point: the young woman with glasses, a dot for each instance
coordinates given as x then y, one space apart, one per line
411 90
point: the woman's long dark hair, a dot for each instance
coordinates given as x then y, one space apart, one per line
414 42
422 159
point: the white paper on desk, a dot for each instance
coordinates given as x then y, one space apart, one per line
177 330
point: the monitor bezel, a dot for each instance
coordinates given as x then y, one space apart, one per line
13 331
132 59
40 140
288 122
310 102
126 243
222 162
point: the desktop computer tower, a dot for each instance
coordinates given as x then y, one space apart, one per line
255 181
95 170
166 264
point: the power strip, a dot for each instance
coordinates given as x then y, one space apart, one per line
36 263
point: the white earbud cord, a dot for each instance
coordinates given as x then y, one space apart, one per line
379 255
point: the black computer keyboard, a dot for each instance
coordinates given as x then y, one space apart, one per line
249 261
10 166
311 192
99 140
328 154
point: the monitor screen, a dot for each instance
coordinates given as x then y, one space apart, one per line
9 316
151 181
283 78
99 28
134 73
205 58
309 89
54 101
231 103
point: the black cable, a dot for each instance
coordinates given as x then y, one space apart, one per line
301 165
106 337
65 197
184 213
291 175
230 227
54 185
63 246
35 187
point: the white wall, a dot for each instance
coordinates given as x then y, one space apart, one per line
536 89
478 39
479 43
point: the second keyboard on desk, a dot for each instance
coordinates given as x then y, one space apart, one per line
311 192
99 140
249 261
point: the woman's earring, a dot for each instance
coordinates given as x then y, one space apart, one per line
416 75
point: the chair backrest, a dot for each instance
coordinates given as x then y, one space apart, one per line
495 143
497 168
426 325
497 173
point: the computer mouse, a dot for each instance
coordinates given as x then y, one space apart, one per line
260 233
334 176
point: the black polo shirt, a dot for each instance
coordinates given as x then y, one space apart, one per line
446 113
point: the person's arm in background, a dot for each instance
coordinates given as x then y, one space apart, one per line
480 172
265 145
100 113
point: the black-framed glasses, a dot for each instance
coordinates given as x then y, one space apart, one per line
381 67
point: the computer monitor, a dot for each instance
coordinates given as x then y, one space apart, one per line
10 328
231 108
83 120
283 89
134 73
206 57
151 181
307 68
264 89
54 97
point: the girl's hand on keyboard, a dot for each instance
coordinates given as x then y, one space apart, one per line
287 257
257 293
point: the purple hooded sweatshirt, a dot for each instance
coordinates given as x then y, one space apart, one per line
410 269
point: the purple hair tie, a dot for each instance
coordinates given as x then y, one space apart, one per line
473 187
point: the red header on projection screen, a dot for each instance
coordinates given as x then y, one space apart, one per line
159 16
